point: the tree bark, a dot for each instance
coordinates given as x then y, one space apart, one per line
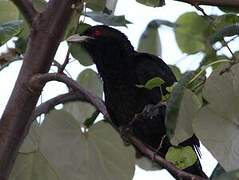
224 3
27 9
47 32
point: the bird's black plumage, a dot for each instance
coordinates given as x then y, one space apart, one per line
122 69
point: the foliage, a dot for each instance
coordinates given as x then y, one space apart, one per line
181 157
62 147
58 149
224 115
107 19
149 41
81 110
153 3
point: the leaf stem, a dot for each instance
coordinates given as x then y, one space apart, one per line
205 67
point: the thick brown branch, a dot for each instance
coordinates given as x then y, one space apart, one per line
226 3
42 45
27 9
63 98
38 81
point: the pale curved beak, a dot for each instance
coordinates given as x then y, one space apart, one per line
78 38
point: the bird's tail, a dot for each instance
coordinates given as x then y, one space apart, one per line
152 131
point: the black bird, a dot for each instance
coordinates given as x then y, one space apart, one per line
122 69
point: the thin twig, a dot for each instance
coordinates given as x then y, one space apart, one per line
227 42
201 9
39 80
66 61
59 66
63 98
63 66
212 19
175 172
229 49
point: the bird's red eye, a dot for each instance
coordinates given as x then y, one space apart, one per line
96 33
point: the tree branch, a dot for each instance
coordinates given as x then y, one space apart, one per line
39 80
66 61
63 98
175 172
43 41
225 3
27 9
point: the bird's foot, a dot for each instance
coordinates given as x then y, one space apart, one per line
124 132
150 111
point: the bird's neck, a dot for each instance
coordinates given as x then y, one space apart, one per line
110 59
112 66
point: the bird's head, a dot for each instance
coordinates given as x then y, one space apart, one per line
101 41
107 46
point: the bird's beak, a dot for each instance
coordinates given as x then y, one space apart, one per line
77 38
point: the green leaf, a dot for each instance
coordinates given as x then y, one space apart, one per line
32 166
96 154
59 150
152 3
225 20
224 25
31 162
189 107
8 30
80 54
229 9
232 175
170 88
176 71
106 19
96 5
181 157
190 32
178 128
82 27
230 30
149 41
119 160
91 81
8 11
218 170
73 25
154 82
32 140
216 124
160 22
77 51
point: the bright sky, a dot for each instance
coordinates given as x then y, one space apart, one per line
139 15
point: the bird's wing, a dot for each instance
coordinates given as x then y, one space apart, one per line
150 66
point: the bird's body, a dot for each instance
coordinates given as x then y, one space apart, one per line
122 70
